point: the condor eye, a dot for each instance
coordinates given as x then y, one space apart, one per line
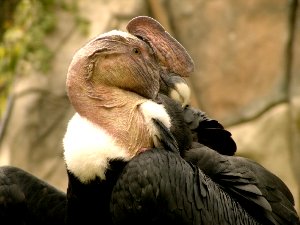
136 51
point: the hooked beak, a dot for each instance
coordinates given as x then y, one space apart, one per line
175 87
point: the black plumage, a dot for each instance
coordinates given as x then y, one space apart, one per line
89 203
260 192
208 131
204 187
165 189
26 199
165 186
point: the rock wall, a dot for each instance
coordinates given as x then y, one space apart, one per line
247 58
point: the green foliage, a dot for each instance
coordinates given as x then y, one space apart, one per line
24 39
25 27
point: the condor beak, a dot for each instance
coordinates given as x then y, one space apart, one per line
172 56
175 87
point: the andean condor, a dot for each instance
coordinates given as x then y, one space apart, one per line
112 83
117 117
254 194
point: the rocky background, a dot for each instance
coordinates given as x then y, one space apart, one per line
247 76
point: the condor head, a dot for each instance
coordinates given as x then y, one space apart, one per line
116 60
174 60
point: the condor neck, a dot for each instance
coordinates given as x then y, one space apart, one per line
95 103
109 124
114 110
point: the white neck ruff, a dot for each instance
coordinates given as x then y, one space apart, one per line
88 149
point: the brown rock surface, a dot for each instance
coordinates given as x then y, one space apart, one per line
238 52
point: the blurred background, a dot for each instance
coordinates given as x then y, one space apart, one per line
247 73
